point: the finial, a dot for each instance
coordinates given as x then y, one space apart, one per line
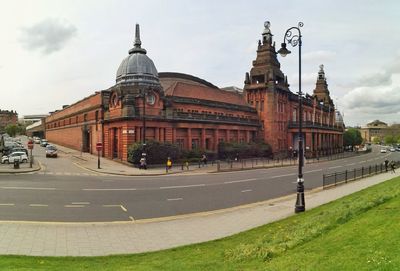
267 36
321 67
137 44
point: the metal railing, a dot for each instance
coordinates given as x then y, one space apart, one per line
337 178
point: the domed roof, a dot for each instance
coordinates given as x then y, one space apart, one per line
339 117
137 67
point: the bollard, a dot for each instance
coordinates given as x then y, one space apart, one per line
16 164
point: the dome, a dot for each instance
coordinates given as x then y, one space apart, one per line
137 67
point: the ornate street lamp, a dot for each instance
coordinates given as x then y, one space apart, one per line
294 39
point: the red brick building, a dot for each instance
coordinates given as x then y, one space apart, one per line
7 117
267 90
191 112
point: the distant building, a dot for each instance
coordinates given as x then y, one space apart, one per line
375 130
7 117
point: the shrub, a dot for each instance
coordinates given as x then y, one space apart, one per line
228 150
156 152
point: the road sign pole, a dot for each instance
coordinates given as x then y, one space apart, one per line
98 159
31 160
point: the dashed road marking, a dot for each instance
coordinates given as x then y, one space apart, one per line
74 206
247 190
38 205
131 218
81 203
7 204
109 189
123 208
352 164
335 167
240 181
285 175
182 186
28 188
175 199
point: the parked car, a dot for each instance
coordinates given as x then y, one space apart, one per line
392 149
51 151
21 156
36 140
383 150
19 149
44 142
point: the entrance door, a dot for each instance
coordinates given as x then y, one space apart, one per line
115 143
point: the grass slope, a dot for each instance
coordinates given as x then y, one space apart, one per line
358 232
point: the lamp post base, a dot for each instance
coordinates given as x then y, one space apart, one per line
300 202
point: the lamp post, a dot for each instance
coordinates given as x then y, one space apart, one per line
294 39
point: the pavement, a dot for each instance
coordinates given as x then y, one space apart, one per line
97 239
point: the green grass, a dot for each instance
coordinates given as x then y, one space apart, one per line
358 232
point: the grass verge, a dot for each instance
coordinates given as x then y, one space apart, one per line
357 232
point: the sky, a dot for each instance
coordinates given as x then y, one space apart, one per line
54 53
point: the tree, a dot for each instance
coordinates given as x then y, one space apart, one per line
390 139
352 137
11 129
376 140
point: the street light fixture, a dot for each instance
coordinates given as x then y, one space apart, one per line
294 39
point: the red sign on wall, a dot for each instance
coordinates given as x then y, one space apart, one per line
99 146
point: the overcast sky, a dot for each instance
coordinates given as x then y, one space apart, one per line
58 52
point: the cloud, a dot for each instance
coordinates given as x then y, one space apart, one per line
378 79
47 36
319 56
376 100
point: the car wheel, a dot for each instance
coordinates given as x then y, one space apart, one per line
24 161
7 161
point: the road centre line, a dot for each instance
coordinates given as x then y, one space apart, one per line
335 167
351 164
175 199
362 162
247 190
285 175
315 170
28 188
81 203
7 204
38 205
109 189
182 186
240 181
74 206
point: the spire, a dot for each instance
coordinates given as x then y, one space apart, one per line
137 45
266 34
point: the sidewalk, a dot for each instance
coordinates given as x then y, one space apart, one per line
95 239
107 166
23 168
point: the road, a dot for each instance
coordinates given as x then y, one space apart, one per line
64 192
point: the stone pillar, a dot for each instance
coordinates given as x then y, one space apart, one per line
228 136
216 135
189 133
157 134
203 139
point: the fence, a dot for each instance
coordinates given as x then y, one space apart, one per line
337 178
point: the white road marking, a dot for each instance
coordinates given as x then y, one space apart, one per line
131 218
28 188
240 181
315 170
109 189
351 164
38 205
112 205
175 199
74 206
7 204
291 174
182 186
335 167
247 190
123 208
362 162
81 203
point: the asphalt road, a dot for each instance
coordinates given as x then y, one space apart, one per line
66 193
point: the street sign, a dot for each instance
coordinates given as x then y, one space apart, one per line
99 146
30 145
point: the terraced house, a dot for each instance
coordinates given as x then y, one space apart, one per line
193 113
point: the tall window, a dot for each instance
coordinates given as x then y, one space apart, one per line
97 118
294 115
262 106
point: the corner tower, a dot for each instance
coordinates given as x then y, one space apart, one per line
267 90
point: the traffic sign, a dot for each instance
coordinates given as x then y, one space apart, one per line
99 146
30 145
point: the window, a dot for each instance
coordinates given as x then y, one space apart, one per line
97 118
180 143
294 115
195 143
262 106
